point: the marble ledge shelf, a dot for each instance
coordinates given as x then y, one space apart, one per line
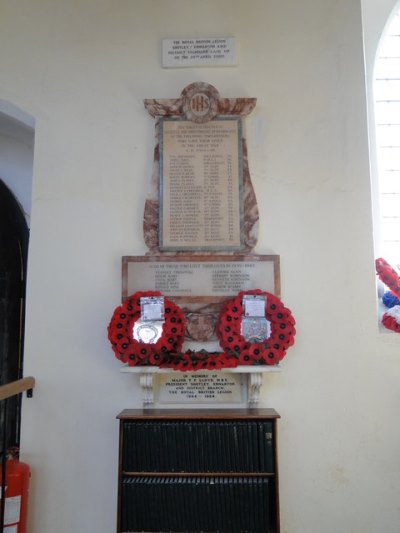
253 374
237 370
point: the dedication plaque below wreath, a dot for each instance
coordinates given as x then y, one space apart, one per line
199 388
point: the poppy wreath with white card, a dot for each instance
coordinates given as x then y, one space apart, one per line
237 343
140 343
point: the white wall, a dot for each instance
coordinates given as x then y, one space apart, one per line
82 69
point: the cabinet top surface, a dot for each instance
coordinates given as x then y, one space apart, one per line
186 414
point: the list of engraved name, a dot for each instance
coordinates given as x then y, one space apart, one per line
201 184
199 278
212 278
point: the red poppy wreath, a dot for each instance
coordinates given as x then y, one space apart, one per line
130 350
166 351
272 349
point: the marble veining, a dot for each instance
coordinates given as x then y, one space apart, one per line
199 102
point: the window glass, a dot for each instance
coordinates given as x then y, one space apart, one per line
387 116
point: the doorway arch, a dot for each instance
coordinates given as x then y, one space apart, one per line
16 167
14 238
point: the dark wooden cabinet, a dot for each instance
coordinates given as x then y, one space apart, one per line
204 470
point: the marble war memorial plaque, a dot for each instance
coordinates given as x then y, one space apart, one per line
200 226
202 198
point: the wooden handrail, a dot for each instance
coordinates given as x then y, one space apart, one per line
16 387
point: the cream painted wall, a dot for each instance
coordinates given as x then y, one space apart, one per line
81 69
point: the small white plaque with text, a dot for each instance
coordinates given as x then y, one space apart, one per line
199 52
200 387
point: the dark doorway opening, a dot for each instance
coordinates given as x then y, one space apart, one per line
14 238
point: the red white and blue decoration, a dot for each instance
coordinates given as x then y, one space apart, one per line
391 299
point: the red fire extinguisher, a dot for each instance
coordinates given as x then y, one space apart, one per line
16 494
